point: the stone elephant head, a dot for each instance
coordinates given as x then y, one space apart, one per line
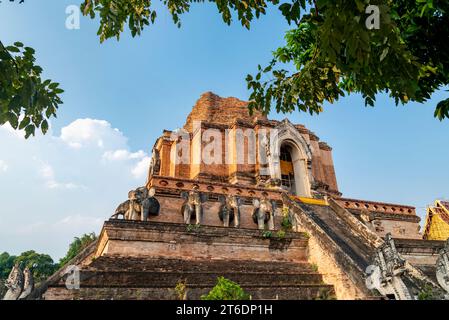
263 212
229 210
192 208
140 205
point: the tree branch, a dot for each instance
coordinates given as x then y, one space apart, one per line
9 54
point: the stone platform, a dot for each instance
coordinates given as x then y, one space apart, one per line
146 260
175 240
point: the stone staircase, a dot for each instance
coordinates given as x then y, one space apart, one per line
105 275
124 278
341 233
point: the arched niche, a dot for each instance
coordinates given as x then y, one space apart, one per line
287 136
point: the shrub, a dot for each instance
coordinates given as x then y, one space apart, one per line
325 294
267 234
193 227
181 290
280 234
226 289
286 223
426 293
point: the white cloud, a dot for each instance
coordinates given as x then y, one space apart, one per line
123 155
48 176
91 132
141 169
3 166
61 186
66 224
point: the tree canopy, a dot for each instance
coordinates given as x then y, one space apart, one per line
41 265
26 100
329 52
331 48
77 245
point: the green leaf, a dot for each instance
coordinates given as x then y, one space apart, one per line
53 85
13 120
12 49
44 126
29 130
24 123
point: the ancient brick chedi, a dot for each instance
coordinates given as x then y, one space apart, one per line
255 200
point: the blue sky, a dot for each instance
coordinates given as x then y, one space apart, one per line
144 85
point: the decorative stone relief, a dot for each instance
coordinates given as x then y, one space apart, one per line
155 165
442 267
385 273
19 283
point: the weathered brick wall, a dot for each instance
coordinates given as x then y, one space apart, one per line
152 239
231 115
419 252
214 109
398 228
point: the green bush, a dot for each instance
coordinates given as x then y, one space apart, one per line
280 234
181 290
226 289
286 223
426 293
325 294
267 234
77 246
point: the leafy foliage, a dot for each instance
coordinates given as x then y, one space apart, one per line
280 234
26 101
137 14
3 288
286 224
6 264
41 265
267 234
333 52
325 294
330 48
181 290
77 246
427 293
226 290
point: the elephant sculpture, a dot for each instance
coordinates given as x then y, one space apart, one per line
192 207
263 213
20 283
141 204
230 210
